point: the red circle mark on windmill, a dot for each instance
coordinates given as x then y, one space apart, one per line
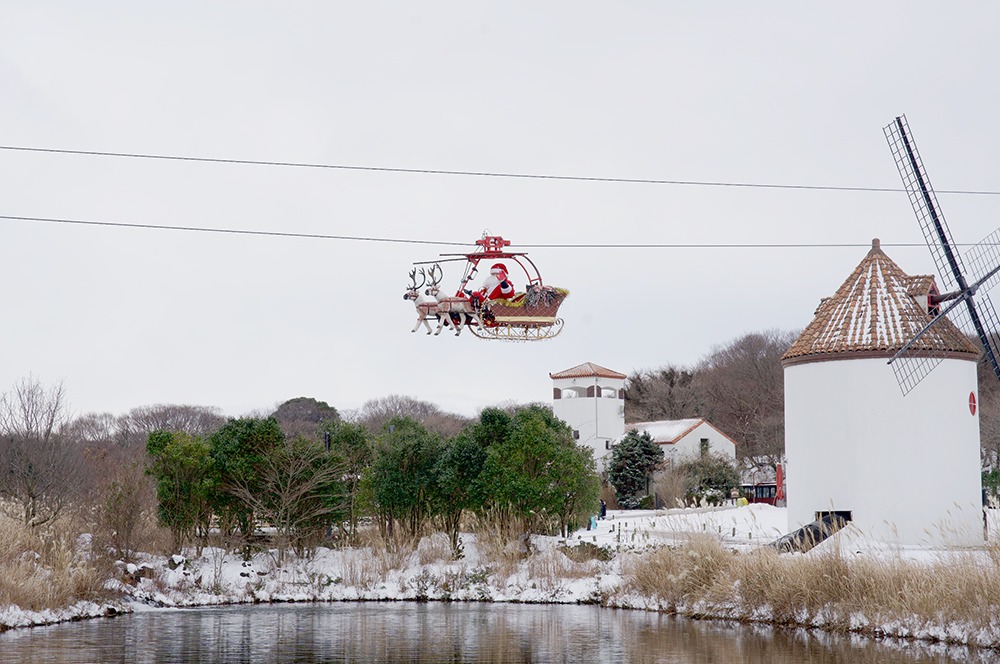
972 402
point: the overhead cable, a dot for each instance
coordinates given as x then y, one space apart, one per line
489 174
445 243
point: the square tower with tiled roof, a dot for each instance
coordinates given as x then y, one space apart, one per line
591 399
904 469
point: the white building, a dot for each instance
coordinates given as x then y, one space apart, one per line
591 399
688 438
904 469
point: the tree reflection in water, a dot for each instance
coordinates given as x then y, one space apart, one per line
436 632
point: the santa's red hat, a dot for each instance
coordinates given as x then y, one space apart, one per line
498 267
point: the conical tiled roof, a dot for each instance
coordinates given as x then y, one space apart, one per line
873 314
587 370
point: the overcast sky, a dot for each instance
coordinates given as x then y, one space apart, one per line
784 93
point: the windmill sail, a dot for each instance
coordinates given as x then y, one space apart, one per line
937 235
977 317
983 257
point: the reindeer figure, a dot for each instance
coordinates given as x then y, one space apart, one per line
425 304
455 311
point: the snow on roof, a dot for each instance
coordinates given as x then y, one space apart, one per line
587 370
668 432
876 311
665 431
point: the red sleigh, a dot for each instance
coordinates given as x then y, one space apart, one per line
530 315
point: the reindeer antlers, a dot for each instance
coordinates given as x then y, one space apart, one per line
413 279
435 274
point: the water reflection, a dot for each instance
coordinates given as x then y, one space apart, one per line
435 632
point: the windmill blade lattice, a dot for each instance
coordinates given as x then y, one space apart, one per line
983 257
925 204
976 318
990 324
911 369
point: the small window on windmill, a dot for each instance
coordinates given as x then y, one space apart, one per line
933 304
703 446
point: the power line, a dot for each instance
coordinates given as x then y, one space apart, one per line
230 231
392 240
524 176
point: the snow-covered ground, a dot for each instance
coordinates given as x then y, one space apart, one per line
429 572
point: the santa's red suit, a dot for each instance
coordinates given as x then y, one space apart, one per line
496 287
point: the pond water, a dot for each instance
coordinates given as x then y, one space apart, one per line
440 632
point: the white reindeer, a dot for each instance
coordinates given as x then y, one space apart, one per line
425 303
455 311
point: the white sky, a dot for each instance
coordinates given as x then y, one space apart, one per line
788 92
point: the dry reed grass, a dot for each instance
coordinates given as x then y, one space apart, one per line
501 549
434 548
357 571
842 594
549 569
672 575
48 569
385 553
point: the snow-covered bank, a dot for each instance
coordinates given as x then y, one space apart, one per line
592 566
14 616
590 573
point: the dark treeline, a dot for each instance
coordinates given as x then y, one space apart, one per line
518 470
738 387
402 466
398 463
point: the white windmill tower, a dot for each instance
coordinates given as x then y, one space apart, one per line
896 453
902 467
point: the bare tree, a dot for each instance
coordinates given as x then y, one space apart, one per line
374 414
669 486
662 394
738 387
133 428
126 510
743 387
446 425
989 412
92 428
41 469
297 489
989 431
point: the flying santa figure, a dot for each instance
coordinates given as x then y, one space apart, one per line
496 287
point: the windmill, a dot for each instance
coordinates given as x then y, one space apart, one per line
969 305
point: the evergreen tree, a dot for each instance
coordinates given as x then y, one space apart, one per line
632 462
458 472
183 468
352 443
537 474
238 452
401 481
